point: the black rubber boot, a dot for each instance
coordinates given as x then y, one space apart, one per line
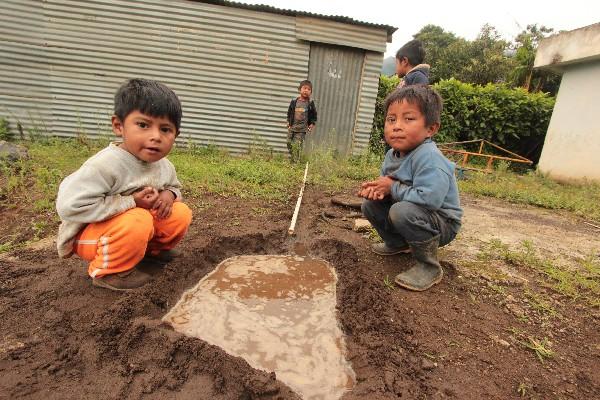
384 250
427 271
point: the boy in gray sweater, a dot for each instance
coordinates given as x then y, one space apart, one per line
414 205
124 203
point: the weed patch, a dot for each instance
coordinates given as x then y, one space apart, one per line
535 189
578 281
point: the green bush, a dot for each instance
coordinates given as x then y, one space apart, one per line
4 130
511 118
386 85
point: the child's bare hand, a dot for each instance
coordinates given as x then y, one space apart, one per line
368 191
377 189
164 204
145 197
383 185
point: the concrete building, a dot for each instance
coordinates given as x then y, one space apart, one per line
572 146
234 66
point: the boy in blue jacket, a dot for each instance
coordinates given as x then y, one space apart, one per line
409 64
414 205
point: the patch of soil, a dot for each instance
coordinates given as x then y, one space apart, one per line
62 338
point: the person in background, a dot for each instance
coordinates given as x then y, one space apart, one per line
409 64
301 119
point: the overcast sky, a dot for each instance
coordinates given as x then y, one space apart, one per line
462 17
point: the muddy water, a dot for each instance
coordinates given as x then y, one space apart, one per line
276 312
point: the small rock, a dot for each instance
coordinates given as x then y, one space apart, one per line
427 364
347 201
500 341
388 377
361 225
12 152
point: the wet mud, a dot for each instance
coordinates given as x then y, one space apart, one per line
62 338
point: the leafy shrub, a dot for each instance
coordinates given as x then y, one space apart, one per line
386 85
511 118
4 129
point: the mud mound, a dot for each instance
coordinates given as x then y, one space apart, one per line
61 338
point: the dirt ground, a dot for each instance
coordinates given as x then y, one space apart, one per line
61 338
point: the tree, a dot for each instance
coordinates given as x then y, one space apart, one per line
526 44
487 60
480 61
436 42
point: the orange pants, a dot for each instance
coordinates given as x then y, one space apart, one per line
119 243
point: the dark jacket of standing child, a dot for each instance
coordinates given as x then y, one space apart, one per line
409 64
311 113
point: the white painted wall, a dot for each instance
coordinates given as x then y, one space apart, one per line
572 146
576 46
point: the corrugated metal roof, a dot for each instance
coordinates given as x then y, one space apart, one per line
284 11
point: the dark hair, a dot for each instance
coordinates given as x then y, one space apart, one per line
305 82
413 51
148 97
427 99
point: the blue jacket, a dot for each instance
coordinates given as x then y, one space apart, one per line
418 75
424 177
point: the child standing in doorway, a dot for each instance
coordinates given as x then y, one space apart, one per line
301 119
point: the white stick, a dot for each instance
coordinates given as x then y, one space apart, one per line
295 216
595 226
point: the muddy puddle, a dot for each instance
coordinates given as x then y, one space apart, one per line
278 313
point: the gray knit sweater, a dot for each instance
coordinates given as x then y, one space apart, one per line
102 188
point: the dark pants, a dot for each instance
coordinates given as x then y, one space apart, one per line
400 222
295 140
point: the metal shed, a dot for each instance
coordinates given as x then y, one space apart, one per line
234 66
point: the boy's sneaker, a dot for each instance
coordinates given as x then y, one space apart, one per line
123 281
384 250
164 256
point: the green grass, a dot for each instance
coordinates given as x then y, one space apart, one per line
263 175
541 348
533 188
579 280
389 284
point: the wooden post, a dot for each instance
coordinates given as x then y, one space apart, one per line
295 216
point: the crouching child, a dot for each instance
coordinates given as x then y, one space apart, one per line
124 203
414 205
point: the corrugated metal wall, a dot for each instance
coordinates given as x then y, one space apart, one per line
335 72
24 71
234 69
368 96
326 31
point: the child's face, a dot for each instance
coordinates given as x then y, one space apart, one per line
305 91
402 67
146 137
405 128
